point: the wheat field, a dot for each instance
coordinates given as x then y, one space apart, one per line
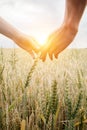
36 95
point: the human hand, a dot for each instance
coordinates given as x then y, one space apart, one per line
28 43
57 42
50 47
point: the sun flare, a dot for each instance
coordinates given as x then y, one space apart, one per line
41 39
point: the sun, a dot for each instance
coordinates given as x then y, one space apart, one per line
41 39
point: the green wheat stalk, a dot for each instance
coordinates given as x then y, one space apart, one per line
29 77
68 102
13 60
54 98
80 97
78 105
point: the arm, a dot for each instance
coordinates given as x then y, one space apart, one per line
61 38
22 40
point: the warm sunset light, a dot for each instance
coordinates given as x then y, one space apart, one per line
41 38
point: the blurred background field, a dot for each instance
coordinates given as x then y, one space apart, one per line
36 95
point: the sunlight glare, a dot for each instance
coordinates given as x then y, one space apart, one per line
41 39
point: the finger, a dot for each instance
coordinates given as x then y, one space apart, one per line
32 54
54 50
56 54
43 57
43 51
51 56
53 53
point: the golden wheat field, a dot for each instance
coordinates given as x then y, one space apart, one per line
36 95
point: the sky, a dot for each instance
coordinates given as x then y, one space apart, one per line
39 18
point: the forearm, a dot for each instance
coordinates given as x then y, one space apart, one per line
14 34
24 41
8 30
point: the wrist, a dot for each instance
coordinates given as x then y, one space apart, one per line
16 36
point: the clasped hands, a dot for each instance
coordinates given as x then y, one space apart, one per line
31 46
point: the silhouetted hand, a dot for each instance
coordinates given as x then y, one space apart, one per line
28 43
50 47
60 39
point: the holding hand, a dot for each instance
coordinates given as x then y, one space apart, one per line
50 47
26 42
61 38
